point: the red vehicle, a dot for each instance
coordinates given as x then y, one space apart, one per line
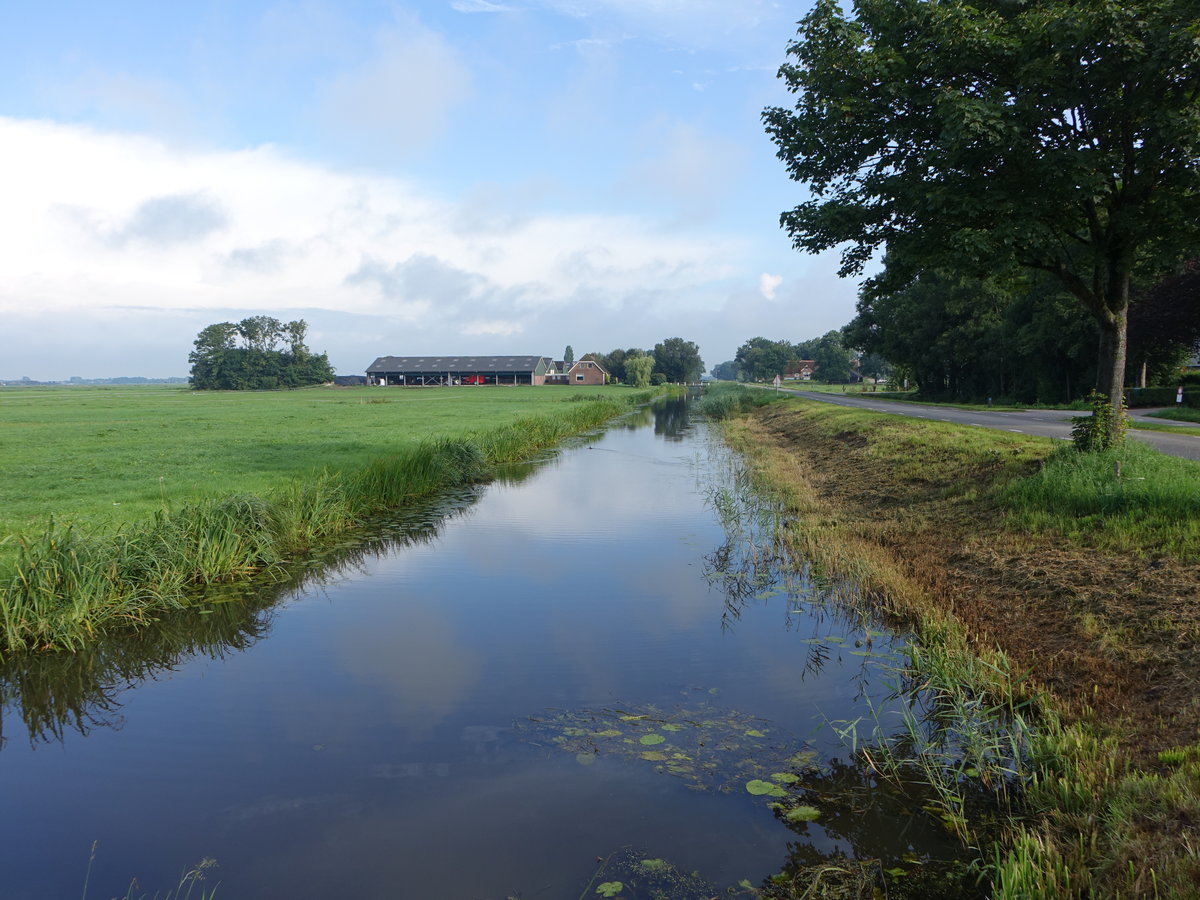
472 379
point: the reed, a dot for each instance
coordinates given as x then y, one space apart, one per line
66 586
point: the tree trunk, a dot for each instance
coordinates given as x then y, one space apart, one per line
1114 331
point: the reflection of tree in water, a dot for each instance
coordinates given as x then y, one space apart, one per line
671 418
865 835
58 693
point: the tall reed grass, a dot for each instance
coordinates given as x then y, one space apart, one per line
67 586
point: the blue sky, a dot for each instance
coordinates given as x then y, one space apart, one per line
444 176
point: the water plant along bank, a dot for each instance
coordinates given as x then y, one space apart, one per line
1050 592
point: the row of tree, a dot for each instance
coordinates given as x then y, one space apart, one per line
962 140
258 353
1020 337
831 356
671 360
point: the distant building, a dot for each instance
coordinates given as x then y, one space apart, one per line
582 371
416 371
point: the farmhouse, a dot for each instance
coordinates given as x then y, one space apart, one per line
447 370
583 371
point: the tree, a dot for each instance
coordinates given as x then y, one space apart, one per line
569 356
761 359
638 369
726 371
1062 135
219 363
678 360
831 359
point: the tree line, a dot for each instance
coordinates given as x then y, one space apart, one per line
1042 155
258 353
672 360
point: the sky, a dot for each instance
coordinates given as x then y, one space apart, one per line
439 177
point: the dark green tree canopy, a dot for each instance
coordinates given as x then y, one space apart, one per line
232 356
1062 135
678 360
761 359
569 355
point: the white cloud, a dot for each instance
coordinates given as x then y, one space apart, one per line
101 226
400 98
768 283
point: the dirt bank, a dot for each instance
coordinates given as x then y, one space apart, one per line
1113 637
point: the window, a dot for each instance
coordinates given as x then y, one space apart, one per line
579 377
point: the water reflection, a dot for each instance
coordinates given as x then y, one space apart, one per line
584 661
56 694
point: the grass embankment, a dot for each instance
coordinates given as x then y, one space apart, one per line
214 487
1056 605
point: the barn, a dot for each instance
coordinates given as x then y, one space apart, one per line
417 371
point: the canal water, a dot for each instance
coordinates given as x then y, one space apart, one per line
587 672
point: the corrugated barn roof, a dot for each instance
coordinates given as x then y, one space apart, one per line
440 364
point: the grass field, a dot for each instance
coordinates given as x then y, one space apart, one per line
104 456
118 504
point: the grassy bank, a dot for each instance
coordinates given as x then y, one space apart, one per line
72 578
1057 636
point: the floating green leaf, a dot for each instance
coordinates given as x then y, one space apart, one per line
651 739
654 755
754 732
607 732
654 864
585 759
760 788
784 777
803 814
610 889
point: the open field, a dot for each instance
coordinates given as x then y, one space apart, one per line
159 492
1055 600
111 455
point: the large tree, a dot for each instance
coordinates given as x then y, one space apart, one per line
232 356
678 359
761 359
1063 135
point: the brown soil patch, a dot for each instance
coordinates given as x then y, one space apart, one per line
1114 639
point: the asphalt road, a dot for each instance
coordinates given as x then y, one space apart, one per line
1053 423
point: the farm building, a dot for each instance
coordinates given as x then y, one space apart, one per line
447 370
582 371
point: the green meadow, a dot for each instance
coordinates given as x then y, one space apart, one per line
106 456
118 503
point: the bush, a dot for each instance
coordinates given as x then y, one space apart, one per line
1101 430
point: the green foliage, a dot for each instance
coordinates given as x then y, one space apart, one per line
1102 430
727 399
569 355
726 371
761 359
678 360
218 363
1059 136
638 369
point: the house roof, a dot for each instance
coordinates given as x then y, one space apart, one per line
440 364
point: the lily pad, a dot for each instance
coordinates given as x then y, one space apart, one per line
803 814
784 777
651 739
754 732
610 889
585 759
654 755
760 788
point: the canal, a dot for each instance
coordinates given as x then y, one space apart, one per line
586 673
